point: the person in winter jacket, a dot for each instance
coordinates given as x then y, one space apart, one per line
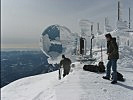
113 56
65 62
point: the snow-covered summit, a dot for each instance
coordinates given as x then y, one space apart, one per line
78 85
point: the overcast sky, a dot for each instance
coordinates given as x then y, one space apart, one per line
24 20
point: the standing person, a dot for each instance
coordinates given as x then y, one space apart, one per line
113 56
65 62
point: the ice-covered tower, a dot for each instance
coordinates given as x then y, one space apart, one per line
120 23
98 29
108 27
122 27
119 11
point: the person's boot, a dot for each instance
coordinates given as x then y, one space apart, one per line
105 77
64 75
113 82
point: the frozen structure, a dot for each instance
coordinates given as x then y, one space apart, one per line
85 36
108 27
123 31
98 29
121 25
85 42
56 40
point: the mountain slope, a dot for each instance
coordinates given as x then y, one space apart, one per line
78 85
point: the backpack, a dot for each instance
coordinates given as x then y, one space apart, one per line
91 68
119 77
101 67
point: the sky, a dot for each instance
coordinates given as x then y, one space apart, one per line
23 21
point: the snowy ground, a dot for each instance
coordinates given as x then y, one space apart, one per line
78 85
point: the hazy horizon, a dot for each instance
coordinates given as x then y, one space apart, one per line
23 21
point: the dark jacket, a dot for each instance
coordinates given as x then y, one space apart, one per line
66 62
112 49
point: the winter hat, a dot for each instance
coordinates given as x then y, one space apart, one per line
63 56
108 35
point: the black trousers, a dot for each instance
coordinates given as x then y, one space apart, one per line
66 72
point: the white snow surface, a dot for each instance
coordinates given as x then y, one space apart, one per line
78 85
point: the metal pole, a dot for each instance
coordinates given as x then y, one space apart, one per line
97 26
118 42
129 19
118 10
128 42
91 40
101 54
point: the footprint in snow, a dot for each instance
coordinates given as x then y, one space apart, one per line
95 82
105 90
97 76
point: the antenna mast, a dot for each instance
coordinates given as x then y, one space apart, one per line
118 10
97 26
129 19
